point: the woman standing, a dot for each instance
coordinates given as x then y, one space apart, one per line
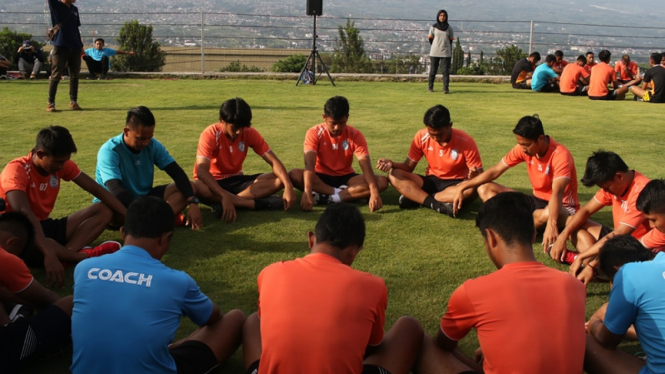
441 38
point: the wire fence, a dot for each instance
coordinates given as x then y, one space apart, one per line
208 41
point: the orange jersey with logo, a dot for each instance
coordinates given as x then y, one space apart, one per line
334 155
14 275
601 75
624 211
588 67
560 65
451 161
226 156
557 163
318 315
654 240
571 76
20 174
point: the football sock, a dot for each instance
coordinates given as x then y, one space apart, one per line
335 198
430 202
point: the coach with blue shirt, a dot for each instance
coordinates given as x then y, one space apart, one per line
98 59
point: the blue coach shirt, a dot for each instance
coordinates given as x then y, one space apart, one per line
136 171
127 308
638 297
97 55
541 76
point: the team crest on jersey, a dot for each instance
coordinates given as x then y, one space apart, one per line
53 181
334 146
241 146
345 145
454 154
547 170
540 167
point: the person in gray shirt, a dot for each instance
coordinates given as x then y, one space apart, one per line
441 38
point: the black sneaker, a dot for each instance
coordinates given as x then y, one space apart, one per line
443 208
273 202
217 210
91 77
405 203
320 199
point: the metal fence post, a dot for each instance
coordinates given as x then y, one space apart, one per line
531 38
203 53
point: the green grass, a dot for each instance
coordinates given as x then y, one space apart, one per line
421 255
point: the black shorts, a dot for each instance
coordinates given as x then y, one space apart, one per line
158 191
549 87
536 203
521 86
336 181
579 91
432 184
55 229
193 357
237 183
25 336
367 369
611 95
604 231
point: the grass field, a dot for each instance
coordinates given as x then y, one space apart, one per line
423 256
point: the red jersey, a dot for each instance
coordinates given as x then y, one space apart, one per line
226 156
571 76
654 240
14 275
20 174
557 163
560 65
334 155
318 315
588 66
519 301
620 68
451 161
601 75
623 207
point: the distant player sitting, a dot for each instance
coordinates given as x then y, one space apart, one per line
318 315
520 78
552 173
452 156
559 63
544 78
328 176
619 188
541 319
575 78
218 175
603 74
627 70
31 184
653 88
126 167
22 335
651 202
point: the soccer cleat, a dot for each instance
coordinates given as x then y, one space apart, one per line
320 199
217 210
102 249
273 202
406 203
443 208
50 107
569 257
74 105
179 220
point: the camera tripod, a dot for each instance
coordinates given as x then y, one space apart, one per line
313 55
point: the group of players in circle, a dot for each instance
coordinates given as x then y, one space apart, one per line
316 314
585 77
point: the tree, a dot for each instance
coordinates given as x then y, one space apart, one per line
350 56
481 60
291 64
468 59
505 59
10 41
237 67
458 58
148 56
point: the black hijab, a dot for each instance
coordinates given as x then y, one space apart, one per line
443 26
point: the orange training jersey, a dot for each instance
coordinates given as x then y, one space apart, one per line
601 75
560 65
19 174
623 207
589 66
14 274
518 302
451 161
318 315
334 156
571 76
619 67
654 240
557 163
226 157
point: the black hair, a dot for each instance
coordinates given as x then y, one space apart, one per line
657 58
55 141
341 225
140 116
336 107
148 217
20 226
621 250
601 167
100 40
652 198
604 55
529 127
590 53
550 58
508 215
536 55
437 117
581 58
236 112
558 53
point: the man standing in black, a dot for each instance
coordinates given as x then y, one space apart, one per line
653 88
522 71
67 49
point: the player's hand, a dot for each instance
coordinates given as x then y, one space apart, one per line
474 172
550 234
289 198
228 211
576 266
586 275
55 272
194 217
375 202
306 202
458 200
384 164
557 250
478 356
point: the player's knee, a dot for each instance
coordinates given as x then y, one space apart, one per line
484 191
235 316
381 182
295 175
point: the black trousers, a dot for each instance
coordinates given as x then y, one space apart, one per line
97 67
